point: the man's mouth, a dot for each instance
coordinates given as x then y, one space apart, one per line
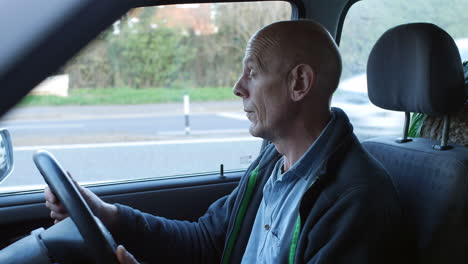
249 114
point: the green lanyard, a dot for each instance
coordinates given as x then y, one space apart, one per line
241 214
240 218
297 230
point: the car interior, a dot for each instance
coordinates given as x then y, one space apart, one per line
429 175
412 68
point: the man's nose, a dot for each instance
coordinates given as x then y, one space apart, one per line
239 89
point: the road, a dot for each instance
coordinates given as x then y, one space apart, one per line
110 129
115 146
101 144
97 124
135 160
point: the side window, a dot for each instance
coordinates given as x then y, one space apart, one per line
151 97
365 22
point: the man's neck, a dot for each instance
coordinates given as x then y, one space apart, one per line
299 139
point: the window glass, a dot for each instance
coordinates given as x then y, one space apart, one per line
150 97
365 22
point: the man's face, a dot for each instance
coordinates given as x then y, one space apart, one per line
264 94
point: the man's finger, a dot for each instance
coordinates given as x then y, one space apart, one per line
124 256
49 195
57 216
59 208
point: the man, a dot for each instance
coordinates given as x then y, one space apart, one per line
312 196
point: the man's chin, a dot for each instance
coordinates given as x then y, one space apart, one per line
252 131
256 132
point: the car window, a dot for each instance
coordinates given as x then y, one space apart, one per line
149 98
365 22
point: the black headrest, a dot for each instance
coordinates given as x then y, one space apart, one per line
416 68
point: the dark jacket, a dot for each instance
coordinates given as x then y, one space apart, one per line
350 214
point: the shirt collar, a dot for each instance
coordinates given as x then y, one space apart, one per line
312 157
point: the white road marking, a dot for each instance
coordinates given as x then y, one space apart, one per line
37 187
204 132
138 143
237 116
43 126
89 117
21 188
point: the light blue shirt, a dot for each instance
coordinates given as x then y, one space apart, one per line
271 236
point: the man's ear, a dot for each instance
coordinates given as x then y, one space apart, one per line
301 82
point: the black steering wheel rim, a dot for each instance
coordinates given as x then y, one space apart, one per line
96 236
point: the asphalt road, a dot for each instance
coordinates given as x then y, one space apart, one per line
77 125
115 129
91 163
113 146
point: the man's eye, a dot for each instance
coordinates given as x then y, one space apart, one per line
251 73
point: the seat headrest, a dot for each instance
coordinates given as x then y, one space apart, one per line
416 68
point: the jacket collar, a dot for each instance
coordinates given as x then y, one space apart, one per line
338 139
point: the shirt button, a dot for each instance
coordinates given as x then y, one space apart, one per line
267 227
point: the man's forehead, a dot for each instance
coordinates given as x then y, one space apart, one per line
255 55
251 52
248 59
252 60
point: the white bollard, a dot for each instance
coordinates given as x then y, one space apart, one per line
187 113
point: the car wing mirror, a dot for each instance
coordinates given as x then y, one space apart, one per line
6 154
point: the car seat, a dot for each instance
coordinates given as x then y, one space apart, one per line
417 68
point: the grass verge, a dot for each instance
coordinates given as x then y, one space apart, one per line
111 96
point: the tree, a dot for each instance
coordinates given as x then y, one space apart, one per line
219 56
145 54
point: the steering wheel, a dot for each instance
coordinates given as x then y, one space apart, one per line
96 236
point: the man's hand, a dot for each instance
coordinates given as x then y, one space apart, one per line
124 256
104 211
